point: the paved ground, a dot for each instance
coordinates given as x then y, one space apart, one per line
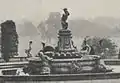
116 69
85 81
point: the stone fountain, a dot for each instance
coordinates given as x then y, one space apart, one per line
65 57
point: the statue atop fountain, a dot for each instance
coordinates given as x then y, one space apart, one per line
64 18
65 42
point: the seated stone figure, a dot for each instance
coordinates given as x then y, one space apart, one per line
87 49
45 63
22 71
28 51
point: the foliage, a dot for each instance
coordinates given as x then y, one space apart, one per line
9 40
50 27
103 46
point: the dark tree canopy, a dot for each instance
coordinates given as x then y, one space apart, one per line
103 45
9 40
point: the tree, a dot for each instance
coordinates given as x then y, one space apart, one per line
103 46
49 27
9 40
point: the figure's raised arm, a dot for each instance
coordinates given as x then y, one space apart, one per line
66 11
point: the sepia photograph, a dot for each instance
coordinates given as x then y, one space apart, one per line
59 41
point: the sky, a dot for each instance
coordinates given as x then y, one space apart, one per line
37 10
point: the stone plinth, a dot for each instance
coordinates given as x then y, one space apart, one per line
65 43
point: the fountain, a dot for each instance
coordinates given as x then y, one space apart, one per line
65 57
63 62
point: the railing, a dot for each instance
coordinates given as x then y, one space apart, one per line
62 77
14 59
112 61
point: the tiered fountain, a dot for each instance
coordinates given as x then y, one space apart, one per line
66 58
63 62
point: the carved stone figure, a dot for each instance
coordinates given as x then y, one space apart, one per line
64 19
28 51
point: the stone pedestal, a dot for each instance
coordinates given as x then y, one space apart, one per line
65 43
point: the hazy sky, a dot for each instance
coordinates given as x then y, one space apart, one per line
35 10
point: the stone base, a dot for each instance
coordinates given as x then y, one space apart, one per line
65 43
